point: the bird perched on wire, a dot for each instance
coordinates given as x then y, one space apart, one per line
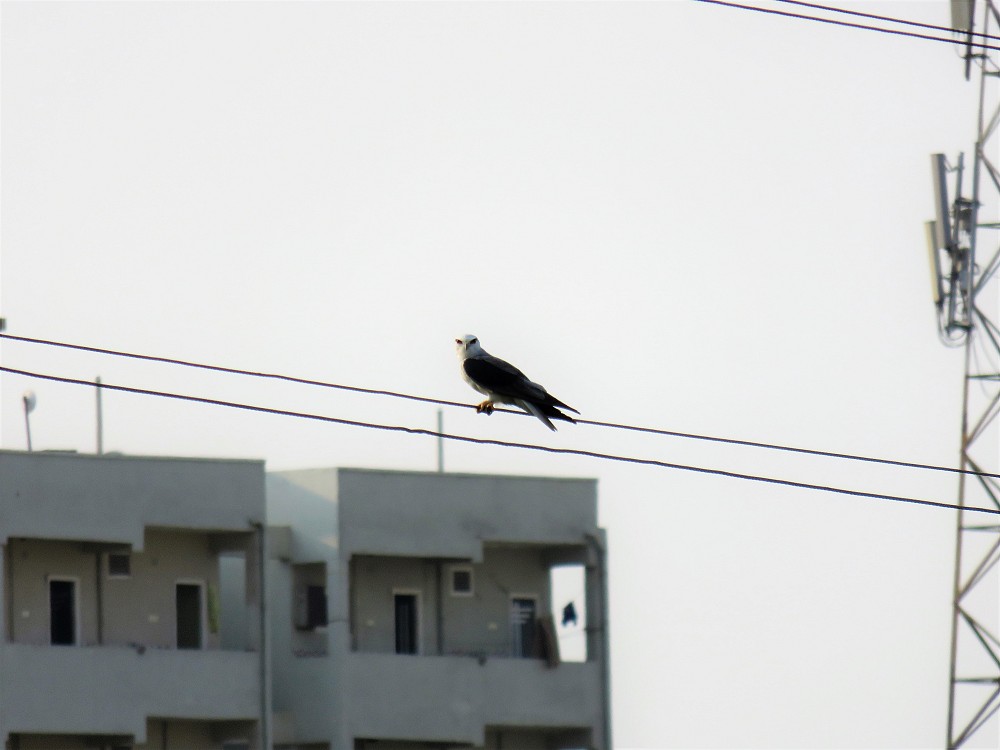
502 383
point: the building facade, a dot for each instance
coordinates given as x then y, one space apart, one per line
112 633
413 610
187 604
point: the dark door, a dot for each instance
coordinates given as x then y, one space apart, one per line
188 615
406 623
62 612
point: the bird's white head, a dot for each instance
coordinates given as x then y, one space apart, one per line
467 346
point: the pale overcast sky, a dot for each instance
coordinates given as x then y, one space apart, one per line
671 214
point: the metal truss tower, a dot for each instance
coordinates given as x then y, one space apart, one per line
967 304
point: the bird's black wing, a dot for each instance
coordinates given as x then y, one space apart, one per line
502 378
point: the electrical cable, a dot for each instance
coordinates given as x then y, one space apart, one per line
889 19
848 24
504 443
442 402
227 370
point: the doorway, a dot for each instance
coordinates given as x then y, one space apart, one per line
190 617
62 612
407 631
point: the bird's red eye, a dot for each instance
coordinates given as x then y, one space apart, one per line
458 341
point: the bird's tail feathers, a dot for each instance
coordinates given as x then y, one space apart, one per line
535 411
547 400
556 414
561 405
546 413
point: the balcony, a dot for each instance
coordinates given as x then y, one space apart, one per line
453 698
432 515
112 690
113 499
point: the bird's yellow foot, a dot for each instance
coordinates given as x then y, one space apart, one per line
485 408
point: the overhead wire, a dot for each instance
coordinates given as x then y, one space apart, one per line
504 443
849 24
889 19
442 402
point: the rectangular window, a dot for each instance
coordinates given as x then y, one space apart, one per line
406 623
62 612
523 613
315 607
189 615
461 581
119 565
309 602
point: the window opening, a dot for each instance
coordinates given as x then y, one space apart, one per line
315 607
119 565
461 582
310 605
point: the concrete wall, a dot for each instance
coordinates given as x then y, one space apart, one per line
308 677
138 609
142 608
506 739
108 690
454 699
374 581
29 566
452 515
481 623
114 498
180 734
470 625
161 734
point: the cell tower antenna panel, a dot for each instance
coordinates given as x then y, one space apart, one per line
942 207
950 255
932 248
961 15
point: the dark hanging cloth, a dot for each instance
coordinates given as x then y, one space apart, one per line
569 615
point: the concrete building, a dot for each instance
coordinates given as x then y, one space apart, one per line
146 603
412 610
112 633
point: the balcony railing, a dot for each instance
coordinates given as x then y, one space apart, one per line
112 690
454 698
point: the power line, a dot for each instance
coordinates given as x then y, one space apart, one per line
443 402
227 370
503 443
889 19
849 24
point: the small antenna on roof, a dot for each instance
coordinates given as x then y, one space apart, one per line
30 400
100 417
440 442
